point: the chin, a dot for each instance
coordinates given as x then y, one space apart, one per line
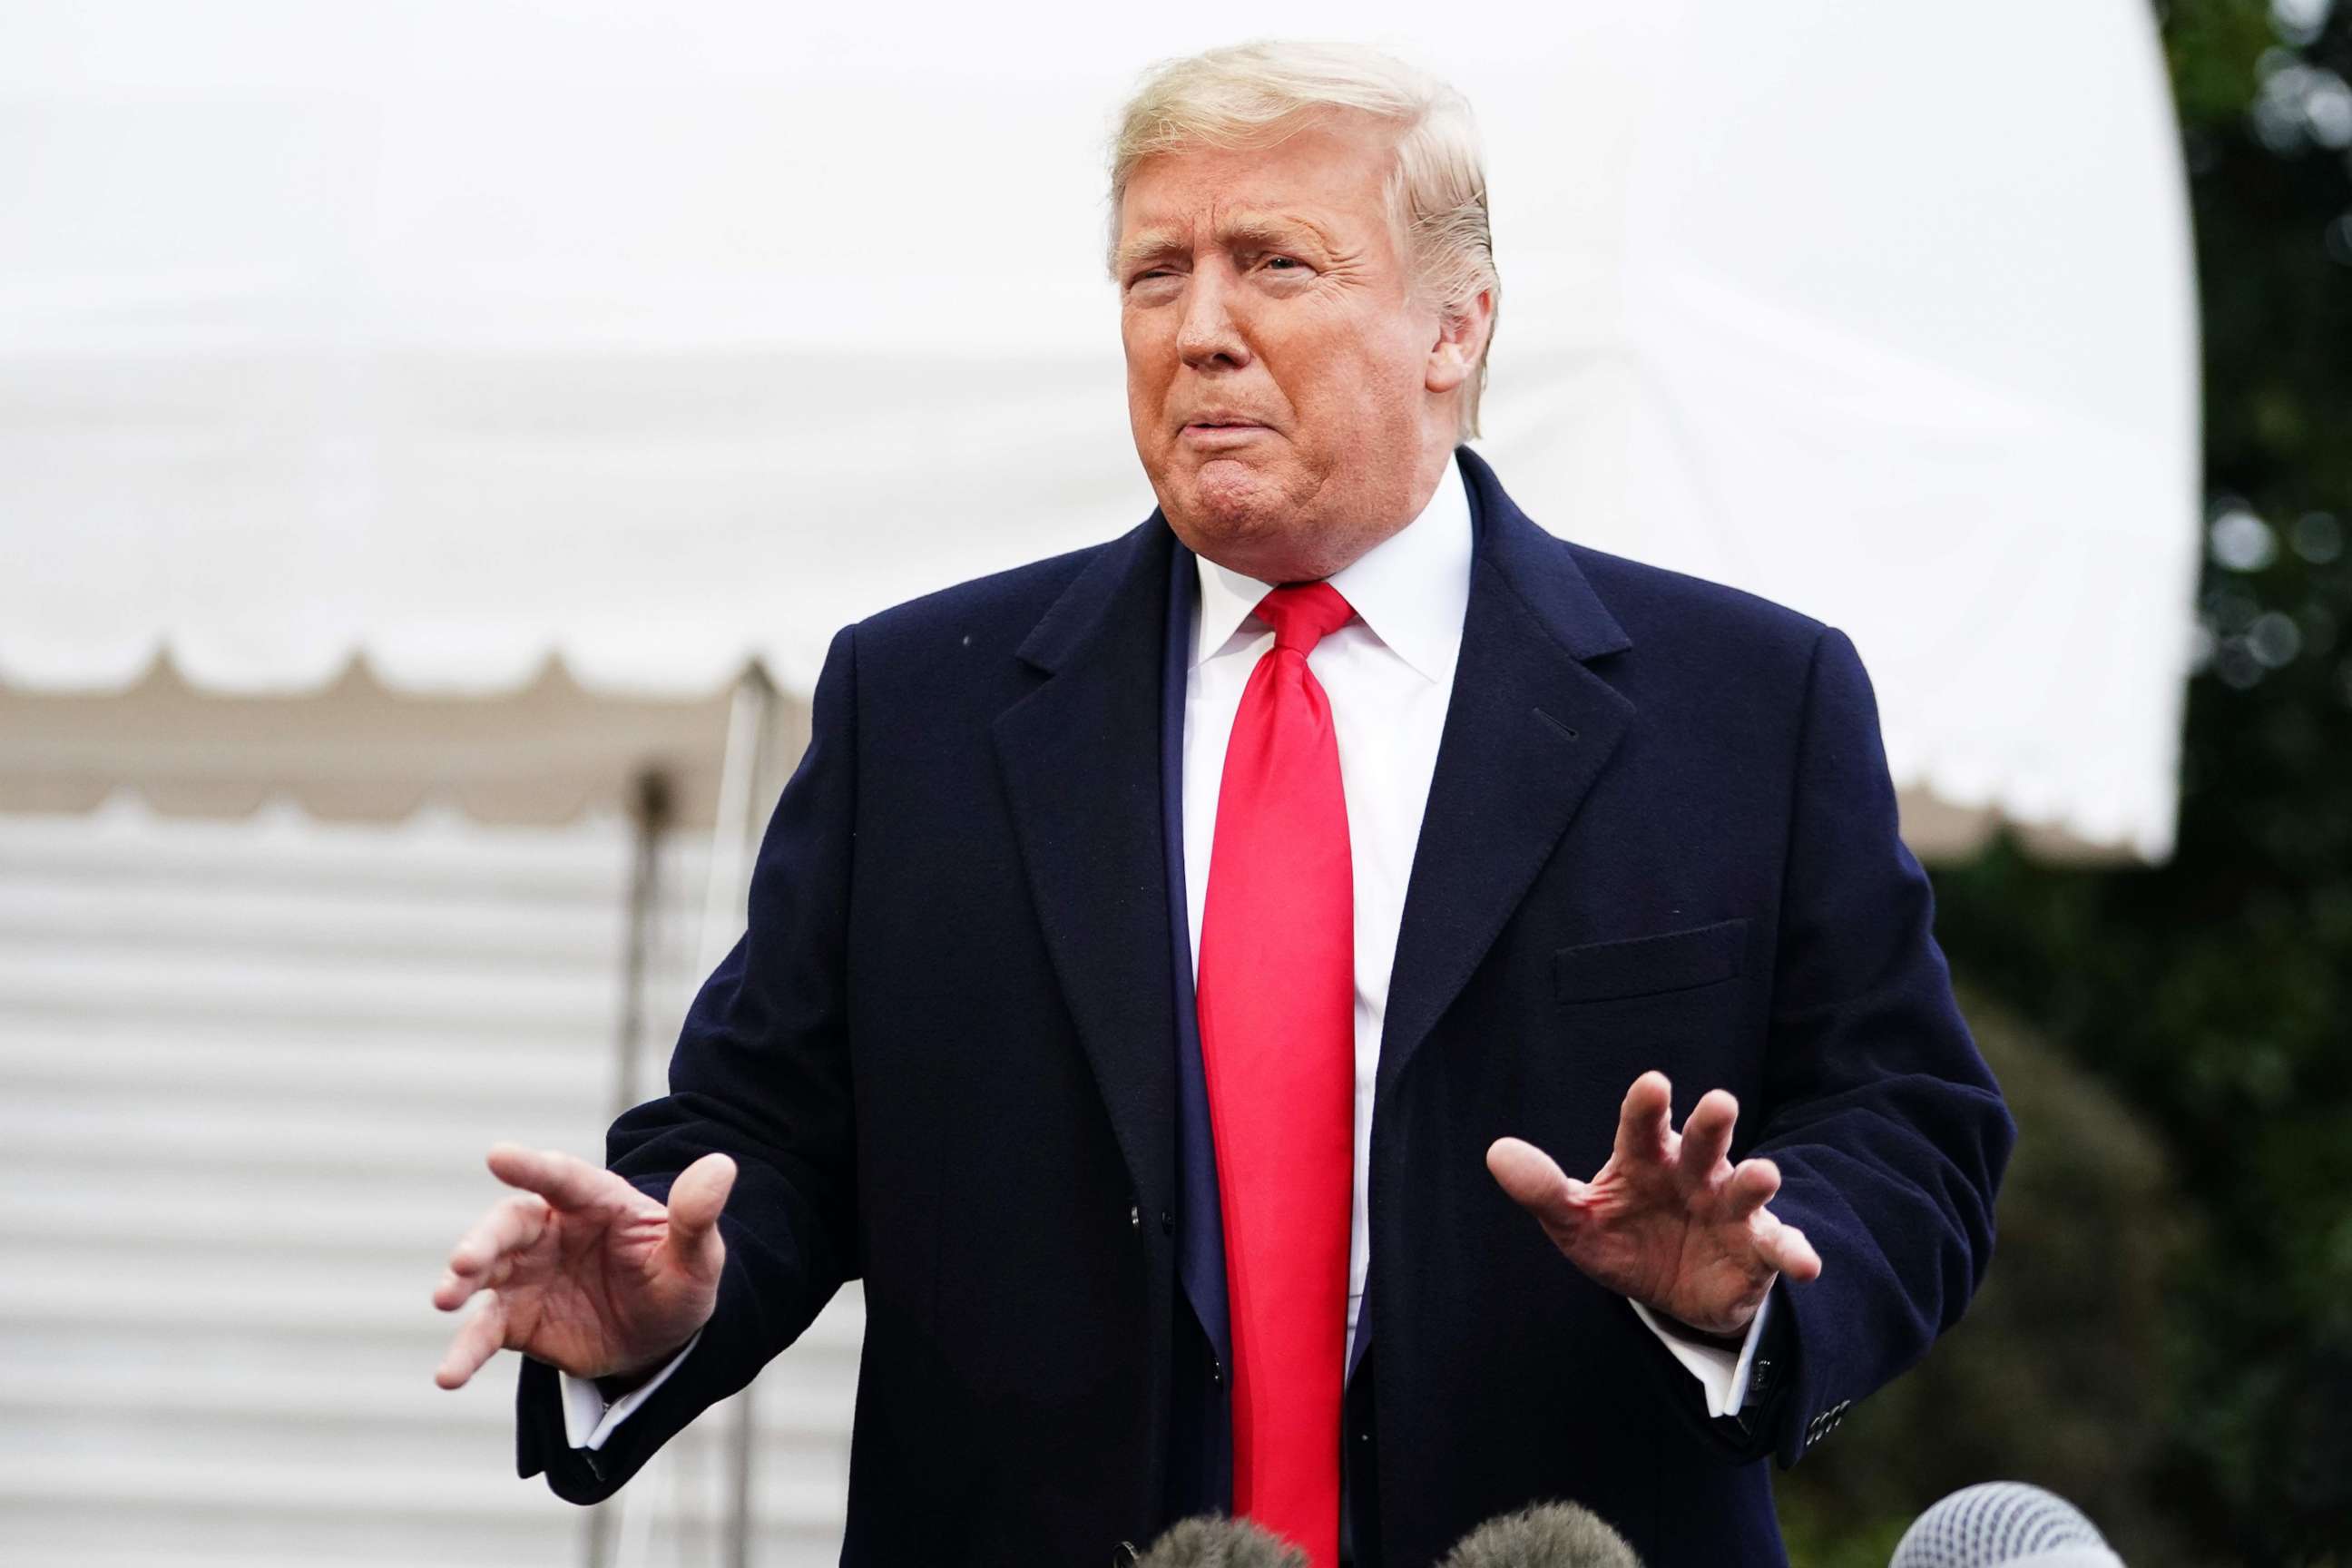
1236 496
1229 513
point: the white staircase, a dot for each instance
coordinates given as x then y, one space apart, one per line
247 1071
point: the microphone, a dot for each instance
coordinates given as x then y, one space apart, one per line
1548 1535
1215 1541
2003 1524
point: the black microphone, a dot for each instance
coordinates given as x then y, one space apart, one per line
2003 1524
1548 1535
1215 1541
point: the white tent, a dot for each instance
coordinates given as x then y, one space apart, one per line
457 338
466 401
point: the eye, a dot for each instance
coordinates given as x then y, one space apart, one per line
1277 264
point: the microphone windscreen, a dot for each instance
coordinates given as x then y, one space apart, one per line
1213 1542
2003 1524
1548 1535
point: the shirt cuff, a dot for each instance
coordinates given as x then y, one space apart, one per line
588 1420
1722 1374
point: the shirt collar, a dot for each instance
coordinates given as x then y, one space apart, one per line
1412 590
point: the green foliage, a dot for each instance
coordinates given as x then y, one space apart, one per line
2212 47
2215 992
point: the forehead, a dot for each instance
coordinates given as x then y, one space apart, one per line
1332 176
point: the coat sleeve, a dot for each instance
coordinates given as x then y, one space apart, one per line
762 1073
1888 1126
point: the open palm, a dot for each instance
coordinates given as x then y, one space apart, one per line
1669 1221
582 1271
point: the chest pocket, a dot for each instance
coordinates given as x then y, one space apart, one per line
1649 965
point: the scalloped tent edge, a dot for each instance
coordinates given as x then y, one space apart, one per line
357 748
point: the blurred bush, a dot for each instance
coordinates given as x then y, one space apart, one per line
2057 1376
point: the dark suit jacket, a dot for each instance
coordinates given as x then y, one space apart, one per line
946 1058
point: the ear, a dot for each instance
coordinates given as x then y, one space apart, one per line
1461 340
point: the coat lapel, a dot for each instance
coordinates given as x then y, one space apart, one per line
1080 758
1527 729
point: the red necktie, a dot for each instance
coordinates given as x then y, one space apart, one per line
1278 1005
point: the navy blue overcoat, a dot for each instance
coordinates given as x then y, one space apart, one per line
947 1057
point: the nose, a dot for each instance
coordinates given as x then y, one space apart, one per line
1208 338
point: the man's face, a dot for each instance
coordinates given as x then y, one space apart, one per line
1278 362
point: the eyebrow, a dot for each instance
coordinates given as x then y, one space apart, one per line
1243 230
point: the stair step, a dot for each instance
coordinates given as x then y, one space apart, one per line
248 1071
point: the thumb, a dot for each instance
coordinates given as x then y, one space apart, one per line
1533 1179
694 1200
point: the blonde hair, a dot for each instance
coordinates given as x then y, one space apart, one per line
1255 94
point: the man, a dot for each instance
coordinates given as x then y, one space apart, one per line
1176 965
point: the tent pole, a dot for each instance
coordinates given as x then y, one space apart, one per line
750 721
649 812
650 797
743 776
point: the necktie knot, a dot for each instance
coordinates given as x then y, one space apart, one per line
1304 615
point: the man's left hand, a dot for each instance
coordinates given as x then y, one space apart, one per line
1669 1221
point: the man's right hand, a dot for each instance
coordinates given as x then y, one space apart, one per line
585 1272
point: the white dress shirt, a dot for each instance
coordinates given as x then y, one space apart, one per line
1389 674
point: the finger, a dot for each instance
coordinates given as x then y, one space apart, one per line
1645 1122
452 1292
1707 1136
478 1263
696 1199
509 1225
482 1336
1752 1185
1534 1180
566 1181
1784 1247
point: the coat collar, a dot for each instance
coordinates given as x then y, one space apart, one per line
1536 567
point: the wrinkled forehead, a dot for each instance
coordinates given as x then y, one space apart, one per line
1329 178
1239 229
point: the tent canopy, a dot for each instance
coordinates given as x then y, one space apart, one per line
474 341
358 749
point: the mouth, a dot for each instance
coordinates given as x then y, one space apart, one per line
1212 428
